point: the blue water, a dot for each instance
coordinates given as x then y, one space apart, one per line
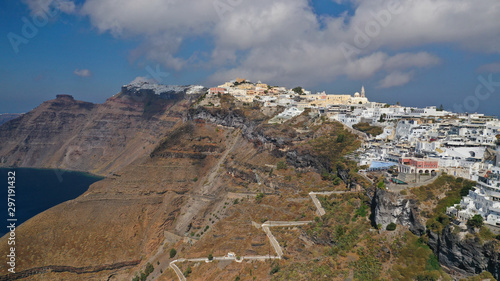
37 190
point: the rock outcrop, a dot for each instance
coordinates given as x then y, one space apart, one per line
234 119
390 207
253 130
465 254
305 160
100 138
461 253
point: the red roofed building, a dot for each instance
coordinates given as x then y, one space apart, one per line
417 165
216 90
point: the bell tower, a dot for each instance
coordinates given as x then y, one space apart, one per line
362 91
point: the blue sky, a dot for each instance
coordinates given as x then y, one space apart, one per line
418 53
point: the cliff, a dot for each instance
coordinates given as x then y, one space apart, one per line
457 249
189 177
464 253
169 169
99 138
389 207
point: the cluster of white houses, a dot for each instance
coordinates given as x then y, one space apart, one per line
461 145
419 141
484 200
269 96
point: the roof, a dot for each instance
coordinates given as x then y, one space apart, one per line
377 164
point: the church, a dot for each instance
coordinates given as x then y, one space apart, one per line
359 98
322 99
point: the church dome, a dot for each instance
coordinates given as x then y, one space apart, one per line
356 95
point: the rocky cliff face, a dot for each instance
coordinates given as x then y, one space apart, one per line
236 119
390 207
465 254
176 178
461 253
125 220
252 129
100 138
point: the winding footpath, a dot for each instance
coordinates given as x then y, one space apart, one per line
266 228
320 210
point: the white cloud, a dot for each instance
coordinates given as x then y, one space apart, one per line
82 72
284 41
395 79
409 60
50 6
473 25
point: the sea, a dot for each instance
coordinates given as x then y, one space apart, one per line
37 190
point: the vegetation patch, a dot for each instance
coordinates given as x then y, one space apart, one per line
414 260
144 275
368 129
453 188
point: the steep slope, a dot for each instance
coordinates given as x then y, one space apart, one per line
99 138
152 203
208 180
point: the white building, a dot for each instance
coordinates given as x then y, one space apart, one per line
484 201
286 115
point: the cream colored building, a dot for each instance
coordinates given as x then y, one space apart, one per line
226 85
338 99
234 91
246 86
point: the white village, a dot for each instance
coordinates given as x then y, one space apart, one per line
414 144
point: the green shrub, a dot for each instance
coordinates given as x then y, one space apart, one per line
210 257
476 221
275 269
336 181
281 165
149 269
173 252
188 271
369 129
391 226
340 138
432 263
362 211
259 197
381 184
